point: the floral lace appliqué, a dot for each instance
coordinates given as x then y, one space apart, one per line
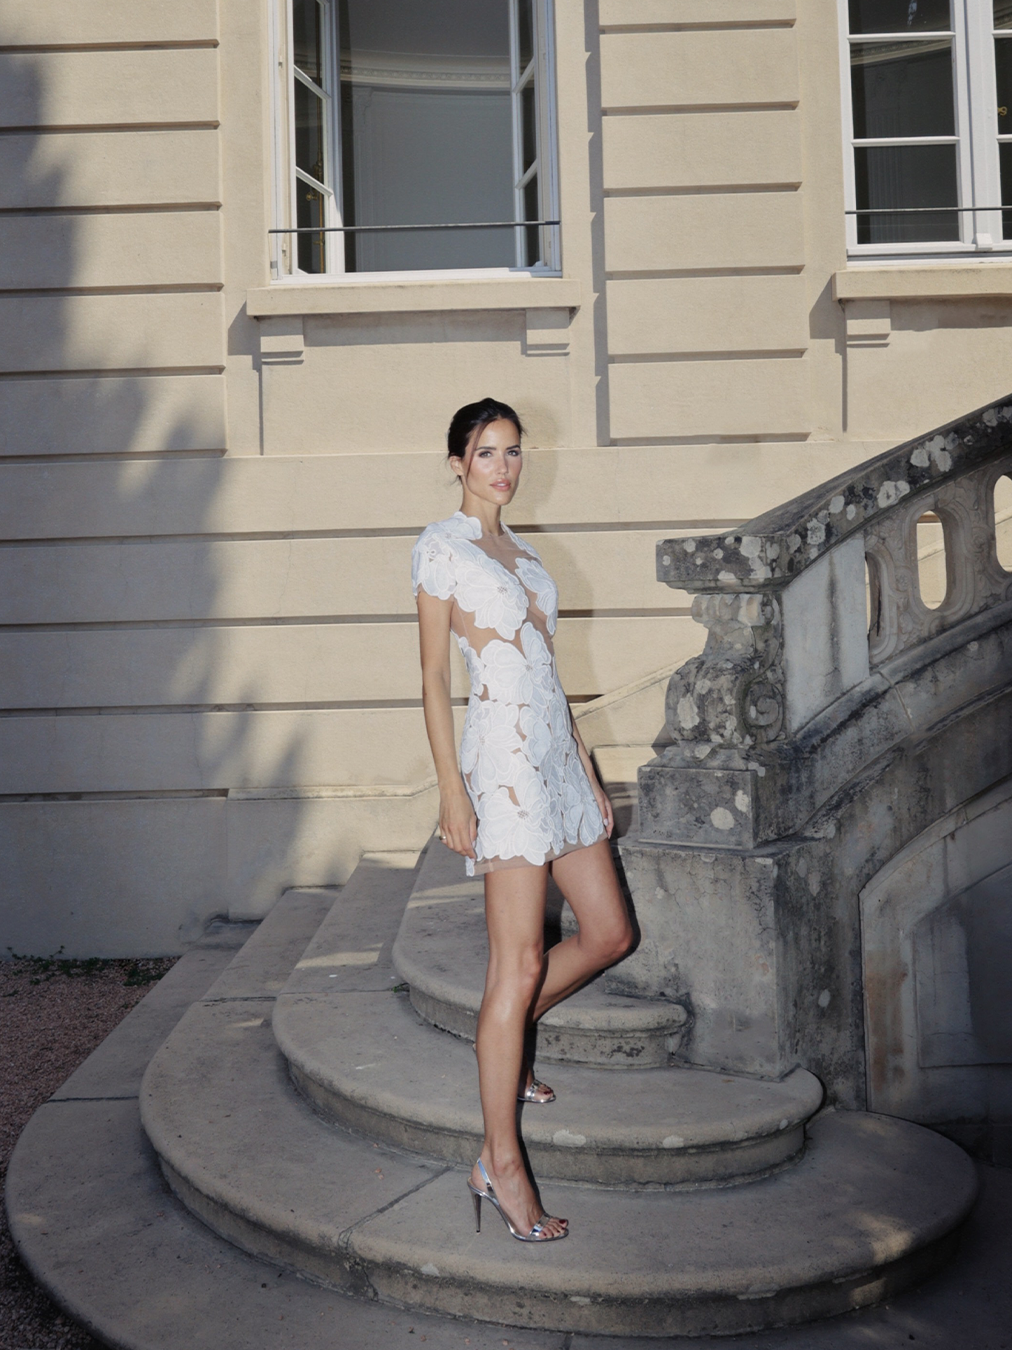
518 755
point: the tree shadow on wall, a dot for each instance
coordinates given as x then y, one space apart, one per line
140 684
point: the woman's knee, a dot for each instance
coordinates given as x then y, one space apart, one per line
520 972
612 941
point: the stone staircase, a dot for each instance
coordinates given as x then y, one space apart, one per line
319 1109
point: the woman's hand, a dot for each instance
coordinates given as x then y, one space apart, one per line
604 804
458 825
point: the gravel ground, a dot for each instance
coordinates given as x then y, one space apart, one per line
52 1016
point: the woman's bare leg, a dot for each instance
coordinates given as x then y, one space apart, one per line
587 879
515 915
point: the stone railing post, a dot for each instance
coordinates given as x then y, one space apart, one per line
790 702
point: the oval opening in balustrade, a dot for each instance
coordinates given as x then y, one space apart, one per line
931 577
1003 520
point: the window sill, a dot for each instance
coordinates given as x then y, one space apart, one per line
413 297
937 281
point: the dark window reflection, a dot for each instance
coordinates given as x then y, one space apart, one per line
525 23
533 233
309 211
308 132
426 131
308 42
894 176
1005 161
902 89
900 16
1003 82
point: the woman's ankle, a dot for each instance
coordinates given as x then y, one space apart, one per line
505 1165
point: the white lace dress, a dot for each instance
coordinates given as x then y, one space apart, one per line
518 756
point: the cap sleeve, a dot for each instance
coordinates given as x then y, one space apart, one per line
433 564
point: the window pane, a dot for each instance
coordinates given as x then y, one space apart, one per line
902 89
309 132
1003 13
528 116
532 241
307 39
1005 160
525 22
906 176
426 131
309 210
899 16
1003 81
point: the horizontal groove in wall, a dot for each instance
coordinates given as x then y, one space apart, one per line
112 373
169 795
729 25
677 273
181 45
114 456
306 620
759 438
701 190
157 625
670 358
121 209
72 128
666 109
622 525
70 292
391 532
205 709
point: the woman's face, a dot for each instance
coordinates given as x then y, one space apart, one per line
490 470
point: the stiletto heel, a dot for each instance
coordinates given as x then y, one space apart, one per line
537 1233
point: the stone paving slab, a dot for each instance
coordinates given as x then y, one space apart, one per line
122 1256
368 1061
865 1210
116 1067
261 966
250 1156
442 949
351 947
99 1228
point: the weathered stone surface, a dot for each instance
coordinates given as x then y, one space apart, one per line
849 1223
441 953
808 752
773 548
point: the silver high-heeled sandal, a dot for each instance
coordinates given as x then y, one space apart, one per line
530 1092
537 1233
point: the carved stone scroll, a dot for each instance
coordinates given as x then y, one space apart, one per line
733 694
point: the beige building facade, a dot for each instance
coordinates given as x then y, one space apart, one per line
220 438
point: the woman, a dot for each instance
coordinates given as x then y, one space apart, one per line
524 796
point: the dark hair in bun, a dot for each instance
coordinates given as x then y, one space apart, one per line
476 417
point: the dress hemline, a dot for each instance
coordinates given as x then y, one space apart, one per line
485 865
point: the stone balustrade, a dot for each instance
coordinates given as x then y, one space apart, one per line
831 718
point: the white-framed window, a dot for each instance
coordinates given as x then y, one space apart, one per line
927 93
414 137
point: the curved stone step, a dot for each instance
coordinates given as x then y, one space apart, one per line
870 1207
441 953
367 1061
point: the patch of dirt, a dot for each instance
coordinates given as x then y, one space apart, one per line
53 1014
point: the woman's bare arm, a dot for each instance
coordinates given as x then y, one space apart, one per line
457 822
